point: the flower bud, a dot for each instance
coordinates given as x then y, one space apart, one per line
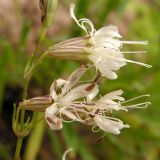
47 8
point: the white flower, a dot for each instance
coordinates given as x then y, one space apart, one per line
68 101
104 47
108 103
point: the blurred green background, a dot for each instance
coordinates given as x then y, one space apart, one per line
19 28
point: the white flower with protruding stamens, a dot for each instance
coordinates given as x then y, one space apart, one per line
68 101
108 103
104 47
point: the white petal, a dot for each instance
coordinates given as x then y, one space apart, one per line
107 61
79 92
107 73
113 95
103 67
53 94
107 101
51 110
92 95
61 82
57 83
70 115
53 122
74 78
110 30
110 125
107 42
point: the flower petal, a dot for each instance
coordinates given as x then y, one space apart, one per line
103 67
107 61
53 122
74 78
79 92
110 125
92 95
110 30
57 83
114 95
70 115
53 94
51 110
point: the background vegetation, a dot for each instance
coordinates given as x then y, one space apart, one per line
19 28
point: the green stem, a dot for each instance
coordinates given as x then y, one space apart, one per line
27 79
18 148
42 35
20 139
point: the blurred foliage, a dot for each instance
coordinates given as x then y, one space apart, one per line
137 20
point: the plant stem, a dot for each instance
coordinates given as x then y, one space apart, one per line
20 138
18 148
42 35
26 82
35 140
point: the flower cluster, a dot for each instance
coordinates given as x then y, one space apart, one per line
69 100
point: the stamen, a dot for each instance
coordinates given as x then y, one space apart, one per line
135 42
90 24
81 22
83 111
134 52
66 152
138 97
113 118
66 121
94 129
139 105
78 116
140 63
101 138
